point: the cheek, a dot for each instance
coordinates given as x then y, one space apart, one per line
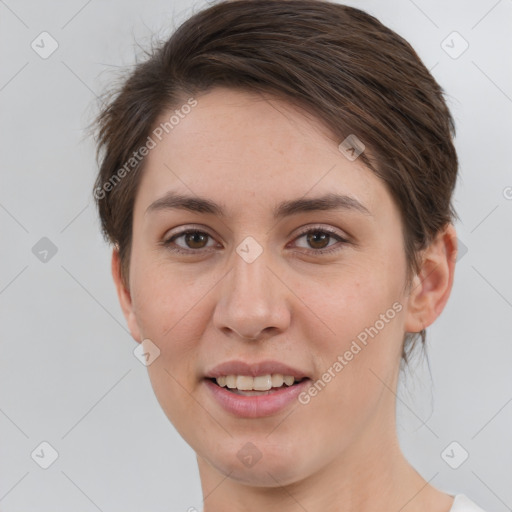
174 321
352 299
355 372
363 311
167 302
169 308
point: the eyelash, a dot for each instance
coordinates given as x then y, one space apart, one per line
335 248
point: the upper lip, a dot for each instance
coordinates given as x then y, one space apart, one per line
254 369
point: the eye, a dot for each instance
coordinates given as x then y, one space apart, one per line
318 240
321 240
192 240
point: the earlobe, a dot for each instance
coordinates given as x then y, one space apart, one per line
431 288
124 296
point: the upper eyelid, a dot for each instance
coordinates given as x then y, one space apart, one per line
300 231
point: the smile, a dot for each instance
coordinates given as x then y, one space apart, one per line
249 386
256 389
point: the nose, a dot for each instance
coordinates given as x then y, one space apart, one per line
253 302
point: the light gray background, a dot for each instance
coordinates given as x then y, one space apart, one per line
67 372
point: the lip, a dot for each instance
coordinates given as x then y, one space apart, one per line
256 406
254 369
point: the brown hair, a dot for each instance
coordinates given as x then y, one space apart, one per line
336 62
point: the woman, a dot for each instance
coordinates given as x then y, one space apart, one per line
276 180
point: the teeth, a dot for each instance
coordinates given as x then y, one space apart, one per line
244 383
277 380
260 383
288 380
230 381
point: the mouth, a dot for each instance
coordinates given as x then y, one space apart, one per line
255 390
246 385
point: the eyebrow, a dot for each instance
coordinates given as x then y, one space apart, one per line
330 201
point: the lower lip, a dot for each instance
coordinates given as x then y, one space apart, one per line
256 406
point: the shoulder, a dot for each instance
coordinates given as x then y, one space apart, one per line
462 503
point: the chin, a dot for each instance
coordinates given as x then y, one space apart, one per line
262 475
267 466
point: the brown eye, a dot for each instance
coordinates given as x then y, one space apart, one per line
196 239
318 239
190 241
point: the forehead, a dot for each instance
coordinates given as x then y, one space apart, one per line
236 146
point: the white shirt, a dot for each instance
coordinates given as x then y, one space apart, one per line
463 504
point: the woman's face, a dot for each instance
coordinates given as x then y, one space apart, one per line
254 287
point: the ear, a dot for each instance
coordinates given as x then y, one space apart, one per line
124 296
431 287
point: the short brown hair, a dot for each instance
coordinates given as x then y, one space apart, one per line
337 62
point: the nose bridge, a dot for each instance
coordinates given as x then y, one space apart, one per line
252 299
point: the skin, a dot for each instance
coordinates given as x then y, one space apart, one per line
340 451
